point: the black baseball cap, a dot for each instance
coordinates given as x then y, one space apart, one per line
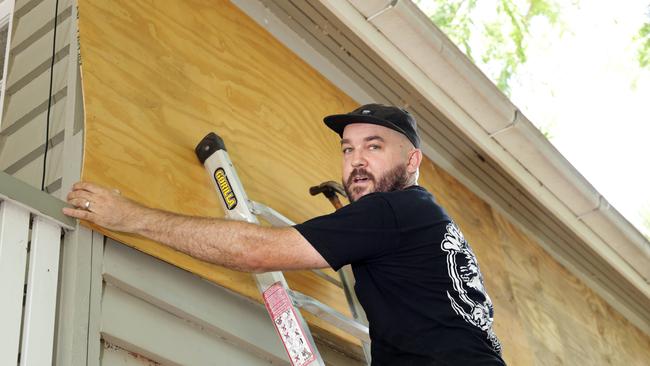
388 116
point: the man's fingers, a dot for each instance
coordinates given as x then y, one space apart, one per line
77 213
79 202
86 186
78 195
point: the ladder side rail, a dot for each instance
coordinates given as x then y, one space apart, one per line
212 153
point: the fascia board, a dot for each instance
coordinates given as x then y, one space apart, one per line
552 169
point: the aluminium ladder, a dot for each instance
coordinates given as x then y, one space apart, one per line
280 300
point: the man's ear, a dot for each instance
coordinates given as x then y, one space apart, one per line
414 160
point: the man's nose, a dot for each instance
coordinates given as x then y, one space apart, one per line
358 159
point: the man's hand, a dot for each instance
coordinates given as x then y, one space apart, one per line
105 207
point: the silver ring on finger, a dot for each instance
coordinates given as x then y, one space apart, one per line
87 205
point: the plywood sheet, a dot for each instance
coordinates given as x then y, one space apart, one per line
158 75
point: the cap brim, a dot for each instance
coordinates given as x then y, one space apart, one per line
337 122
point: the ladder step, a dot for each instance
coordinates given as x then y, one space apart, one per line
327 278
330 315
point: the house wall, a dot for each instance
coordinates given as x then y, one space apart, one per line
213 68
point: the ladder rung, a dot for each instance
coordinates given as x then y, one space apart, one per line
271 216
330 315
275 218
327 277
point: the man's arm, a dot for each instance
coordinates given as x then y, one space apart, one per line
233 244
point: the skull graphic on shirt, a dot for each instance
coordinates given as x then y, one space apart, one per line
469 299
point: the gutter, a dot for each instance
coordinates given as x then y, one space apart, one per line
419 51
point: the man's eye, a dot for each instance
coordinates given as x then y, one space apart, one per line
374 147
346 150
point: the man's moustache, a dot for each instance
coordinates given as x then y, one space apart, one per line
359 172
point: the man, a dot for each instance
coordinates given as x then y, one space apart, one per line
416 277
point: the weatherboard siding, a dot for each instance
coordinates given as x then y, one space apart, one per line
27 94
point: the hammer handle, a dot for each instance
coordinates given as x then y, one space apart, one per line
335 201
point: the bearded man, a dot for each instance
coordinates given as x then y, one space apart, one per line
417 278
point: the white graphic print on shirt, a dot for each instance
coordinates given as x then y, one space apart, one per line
469 298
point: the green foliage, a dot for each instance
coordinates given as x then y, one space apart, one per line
503 40
643 37
453 17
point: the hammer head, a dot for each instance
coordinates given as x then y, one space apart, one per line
329 189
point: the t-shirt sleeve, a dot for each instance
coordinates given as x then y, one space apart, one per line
359 232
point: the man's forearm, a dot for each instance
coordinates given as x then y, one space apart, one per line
227 243
234 244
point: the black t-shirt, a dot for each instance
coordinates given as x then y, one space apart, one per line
416 277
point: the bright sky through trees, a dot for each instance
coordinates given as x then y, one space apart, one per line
581 83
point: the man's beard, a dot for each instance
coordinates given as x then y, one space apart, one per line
394 180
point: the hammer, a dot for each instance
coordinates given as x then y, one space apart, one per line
329 189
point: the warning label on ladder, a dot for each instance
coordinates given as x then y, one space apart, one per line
286 323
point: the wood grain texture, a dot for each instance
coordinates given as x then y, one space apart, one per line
544 315
157 76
